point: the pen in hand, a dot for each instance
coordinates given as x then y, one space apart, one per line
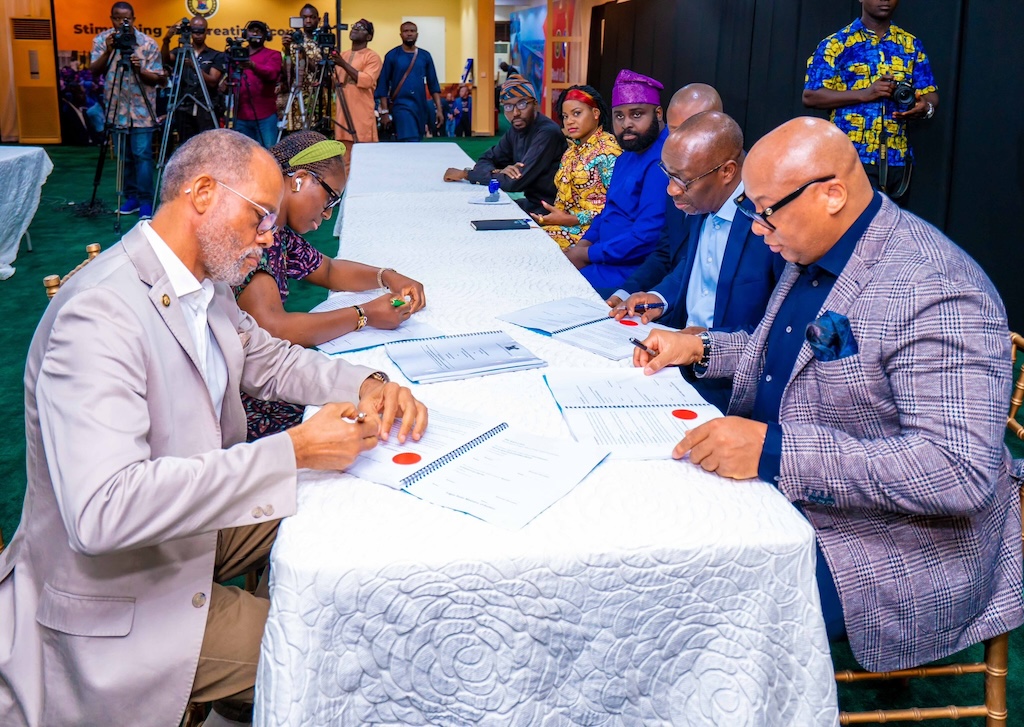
642 347
644 307
397 302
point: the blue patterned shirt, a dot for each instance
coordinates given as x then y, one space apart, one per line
853 59
131 108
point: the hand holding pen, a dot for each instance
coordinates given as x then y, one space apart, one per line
646 305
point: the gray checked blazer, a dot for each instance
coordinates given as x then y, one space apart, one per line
896 453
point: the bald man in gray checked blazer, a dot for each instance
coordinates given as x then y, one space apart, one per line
874 395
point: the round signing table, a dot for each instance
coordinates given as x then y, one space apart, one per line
23 171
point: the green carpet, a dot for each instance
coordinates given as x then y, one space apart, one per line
59 239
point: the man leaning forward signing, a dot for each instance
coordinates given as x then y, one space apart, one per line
873 394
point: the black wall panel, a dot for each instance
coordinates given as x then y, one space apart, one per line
969 175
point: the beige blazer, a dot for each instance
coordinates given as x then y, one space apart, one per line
104 587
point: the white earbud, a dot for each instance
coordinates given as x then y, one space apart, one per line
298 184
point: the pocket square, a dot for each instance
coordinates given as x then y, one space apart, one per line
830 337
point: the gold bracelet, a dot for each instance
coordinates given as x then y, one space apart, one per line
380 276
361 319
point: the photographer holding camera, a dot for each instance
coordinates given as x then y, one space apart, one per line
874 76
190 118
304 53
256 105
125 96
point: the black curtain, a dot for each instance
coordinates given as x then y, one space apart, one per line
969 158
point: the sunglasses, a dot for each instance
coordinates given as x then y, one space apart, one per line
268 220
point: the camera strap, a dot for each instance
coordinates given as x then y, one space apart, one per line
398 88
883 162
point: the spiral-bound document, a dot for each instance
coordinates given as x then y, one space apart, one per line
369 337
480 467
446 358
633 415
584 324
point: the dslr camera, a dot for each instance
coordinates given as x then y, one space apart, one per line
124 38
904 96
237 50
324 36
184 30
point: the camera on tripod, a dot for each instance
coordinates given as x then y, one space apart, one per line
324 35
124 39
904 96
237 50
184 29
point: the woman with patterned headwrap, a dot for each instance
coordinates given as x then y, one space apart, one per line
582 179
314 179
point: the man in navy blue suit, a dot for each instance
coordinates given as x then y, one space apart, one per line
728 273
691 99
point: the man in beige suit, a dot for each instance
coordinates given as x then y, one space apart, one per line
142 492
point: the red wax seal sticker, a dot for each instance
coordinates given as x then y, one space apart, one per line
411 457
627 322
684 414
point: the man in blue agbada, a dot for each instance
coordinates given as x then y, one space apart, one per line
629 227
400 88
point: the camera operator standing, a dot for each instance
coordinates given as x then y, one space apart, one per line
132 118
190 118
307 56
256 108
357 74
874 76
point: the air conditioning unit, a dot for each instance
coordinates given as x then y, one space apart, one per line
35 81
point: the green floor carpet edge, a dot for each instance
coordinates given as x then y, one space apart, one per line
59 239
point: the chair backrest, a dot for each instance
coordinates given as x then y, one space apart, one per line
52 283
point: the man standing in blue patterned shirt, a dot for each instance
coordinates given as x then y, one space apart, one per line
854 74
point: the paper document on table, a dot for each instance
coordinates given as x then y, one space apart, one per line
391 460
346 299
636 416
370 337
478 466
584 324
447 358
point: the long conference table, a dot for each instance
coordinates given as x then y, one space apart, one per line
653 594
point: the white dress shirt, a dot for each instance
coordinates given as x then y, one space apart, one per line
194 298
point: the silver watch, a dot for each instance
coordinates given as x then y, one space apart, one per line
705 338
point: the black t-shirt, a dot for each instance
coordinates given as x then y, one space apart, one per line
208 58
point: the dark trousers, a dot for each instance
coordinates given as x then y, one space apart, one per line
893 182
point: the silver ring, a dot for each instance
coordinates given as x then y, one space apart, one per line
360 417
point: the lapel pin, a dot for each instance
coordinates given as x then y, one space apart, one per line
166 300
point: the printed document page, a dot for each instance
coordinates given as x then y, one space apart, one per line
609 337
458 357
635 416
557 315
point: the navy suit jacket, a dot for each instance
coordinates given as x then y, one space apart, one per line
748 276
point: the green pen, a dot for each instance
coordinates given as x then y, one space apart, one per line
396 302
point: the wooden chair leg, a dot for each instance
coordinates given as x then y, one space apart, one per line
997 654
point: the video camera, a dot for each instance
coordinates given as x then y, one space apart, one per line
124 38
324 35
237 50
184 29
904 96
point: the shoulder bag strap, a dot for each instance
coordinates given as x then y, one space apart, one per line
398 88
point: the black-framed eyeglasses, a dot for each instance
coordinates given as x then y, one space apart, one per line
268 220
522 105
762 217
333 198
686 185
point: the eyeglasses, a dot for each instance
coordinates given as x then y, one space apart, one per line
686 185
762 217
521 105
268 220
333 198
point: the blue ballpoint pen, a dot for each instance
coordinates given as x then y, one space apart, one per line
644 307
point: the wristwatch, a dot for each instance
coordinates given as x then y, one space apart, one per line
380 376
931 110
361 320
705 338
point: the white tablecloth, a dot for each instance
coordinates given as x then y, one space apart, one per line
23 170
654 593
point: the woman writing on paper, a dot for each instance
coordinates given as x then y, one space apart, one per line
586 169
314 178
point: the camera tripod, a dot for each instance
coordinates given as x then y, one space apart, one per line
185 58
124 73
322 100
234 93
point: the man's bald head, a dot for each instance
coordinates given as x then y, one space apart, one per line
706 152
691 99
795 154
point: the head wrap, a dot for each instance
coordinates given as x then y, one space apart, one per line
516 87
368 25
318 152
634 88
582 96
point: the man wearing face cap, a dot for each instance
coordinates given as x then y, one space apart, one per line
256 112
629 227
527 156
